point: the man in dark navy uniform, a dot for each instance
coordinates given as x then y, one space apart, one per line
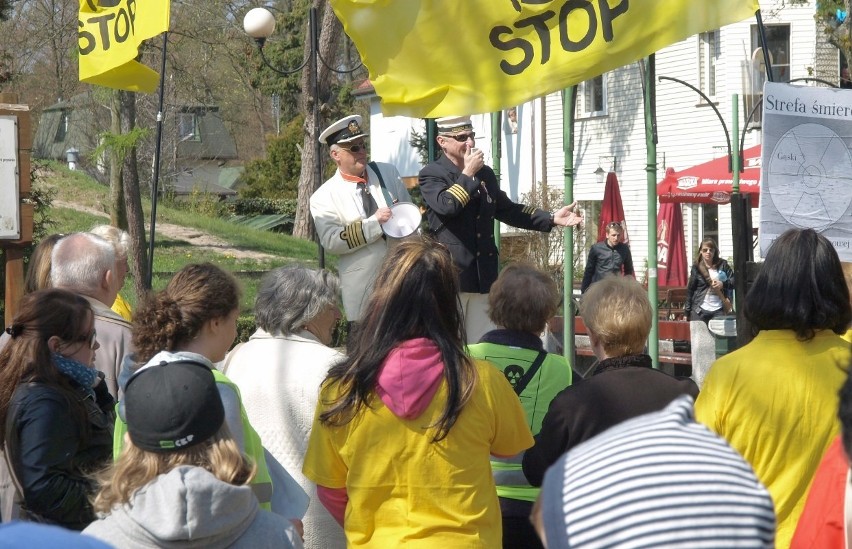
463 200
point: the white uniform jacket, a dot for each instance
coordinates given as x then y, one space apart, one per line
338 213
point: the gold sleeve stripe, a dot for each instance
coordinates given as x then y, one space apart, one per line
353 235
529 210
459 193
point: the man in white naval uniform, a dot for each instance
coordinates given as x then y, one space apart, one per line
350 208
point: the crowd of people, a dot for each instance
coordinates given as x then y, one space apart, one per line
159 432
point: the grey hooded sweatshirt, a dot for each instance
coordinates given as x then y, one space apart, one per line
189 507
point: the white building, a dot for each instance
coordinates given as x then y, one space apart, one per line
610 130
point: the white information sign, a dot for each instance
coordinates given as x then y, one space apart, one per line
10 215
806 176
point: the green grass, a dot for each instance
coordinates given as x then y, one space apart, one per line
170 255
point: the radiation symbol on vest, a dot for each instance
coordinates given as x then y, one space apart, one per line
513 373
810 171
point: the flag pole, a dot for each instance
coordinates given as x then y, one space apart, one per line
649 94
155 183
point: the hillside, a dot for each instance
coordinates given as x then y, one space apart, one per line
185 234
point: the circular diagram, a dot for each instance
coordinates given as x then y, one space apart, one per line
810 172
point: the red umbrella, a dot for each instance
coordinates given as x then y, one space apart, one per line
612 209
711 182
672 268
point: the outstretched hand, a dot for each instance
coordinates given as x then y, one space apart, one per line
567 216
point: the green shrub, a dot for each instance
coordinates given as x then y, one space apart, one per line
263 206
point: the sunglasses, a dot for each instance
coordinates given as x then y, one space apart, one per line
461 138
613 225
354 148
707 250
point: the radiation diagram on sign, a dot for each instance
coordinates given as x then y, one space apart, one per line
810 172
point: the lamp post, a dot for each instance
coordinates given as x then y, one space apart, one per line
259 23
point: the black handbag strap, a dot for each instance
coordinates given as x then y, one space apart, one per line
527 377
388 198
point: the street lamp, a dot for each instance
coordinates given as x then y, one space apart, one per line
259 23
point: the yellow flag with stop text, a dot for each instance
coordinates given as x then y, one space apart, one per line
109 35
431 58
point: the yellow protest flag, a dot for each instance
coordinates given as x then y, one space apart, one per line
432 58
109 35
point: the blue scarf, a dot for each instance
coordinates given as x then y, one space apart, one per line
76 370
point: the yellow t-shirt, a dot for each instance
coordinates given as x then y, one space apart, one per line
775 401
122 308
405 489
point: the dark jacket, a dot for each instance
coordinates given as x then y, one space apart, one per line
697 287
619 389
461 216
52 453
604 260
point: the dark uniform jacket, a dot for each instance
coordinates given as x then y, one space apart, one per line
619 389
461 212
604 260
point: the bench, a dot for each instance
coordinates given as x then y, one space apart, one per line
671 303
668 332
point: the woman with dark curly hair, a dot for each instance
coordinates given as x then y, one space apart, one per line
55 411
405 425
195 318
775 399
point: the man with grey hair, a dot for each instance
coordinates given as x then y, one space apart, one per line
279 371
85 264
350 209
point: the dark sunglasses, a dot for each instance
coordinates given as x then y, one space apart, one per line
613 225
354 148
461 138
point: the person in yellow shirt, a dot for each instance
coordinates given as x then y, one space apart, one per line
406 424
775 399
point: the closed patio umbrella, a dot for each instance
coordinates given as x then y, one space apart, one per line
612 209
672 267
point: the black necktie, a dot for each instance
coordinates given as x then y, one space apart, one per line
367 200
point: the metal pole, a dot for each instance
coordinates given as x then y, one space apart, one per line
569 105
741 234
496 154
761 30
149 275
313 30
651 175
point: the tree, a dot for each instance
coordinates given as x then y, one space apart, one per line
331 32
276 175
838 30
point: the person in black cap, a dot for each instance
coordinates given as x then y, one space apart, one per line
463 199
350 208
181 479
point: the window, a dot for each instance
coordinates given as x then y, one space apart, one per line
62 129
845 78
778 44
710 222
594 96
188 127
708 56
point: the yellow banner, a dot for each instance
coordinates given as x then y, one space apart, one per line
109 35
431 58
